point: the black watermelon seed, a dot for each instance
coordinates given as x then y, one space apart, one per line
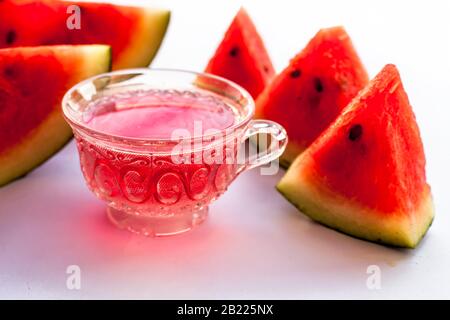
10 37
8 71
318 85
234 51
296 73
355 132
266 69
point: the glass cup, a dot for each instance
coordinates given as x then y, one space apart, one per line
163 186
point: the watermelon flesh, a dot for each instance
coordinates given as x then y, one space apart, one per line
134 34
33 81
365 175
242 57
313 89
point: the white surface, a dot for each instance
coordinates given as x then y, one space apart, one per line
255 244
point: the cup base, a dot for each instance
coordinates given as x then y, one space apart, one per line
152 226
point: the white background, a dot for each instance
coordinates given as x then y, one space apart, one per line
255 244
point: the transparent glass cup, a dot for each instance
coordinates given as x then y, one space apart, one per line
163 186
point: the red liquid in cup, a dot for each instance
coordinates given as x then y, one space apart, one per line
148 181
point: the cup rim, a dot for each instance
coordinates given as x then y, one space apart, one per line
250 105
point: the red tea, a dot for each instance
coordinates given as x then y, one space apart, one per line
158 115
153 183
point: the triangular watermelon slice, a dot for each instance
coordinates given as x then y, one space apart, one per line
313 89
242 57
365 175
33 81
134 34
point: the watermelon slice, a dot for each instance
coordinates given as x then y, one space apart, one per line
33 81
241 56
311 92
134 34
365 175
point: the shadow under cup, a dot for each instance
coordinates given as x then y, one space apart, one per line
163 186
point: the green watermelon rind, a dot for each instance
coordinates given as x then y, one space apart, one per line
142 56
290 153
40 162
312 207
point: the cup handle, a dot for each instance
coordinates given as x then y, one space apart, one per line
278 143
